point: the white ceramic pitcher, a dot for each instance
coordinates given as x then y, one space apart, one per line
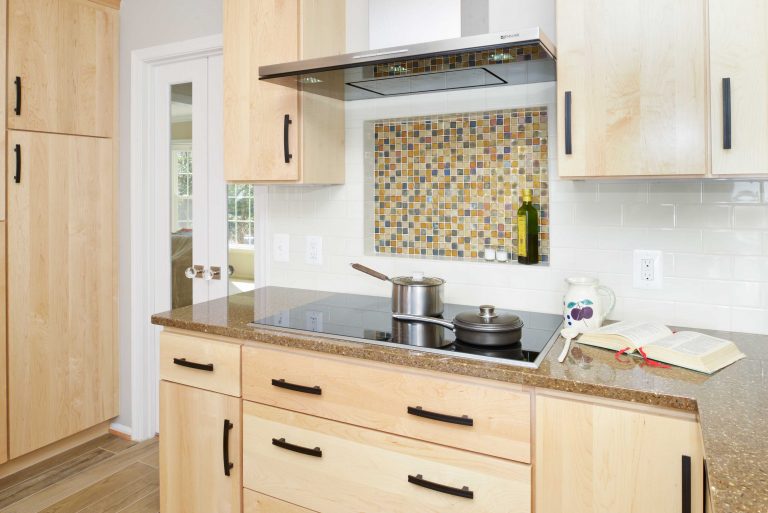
587 303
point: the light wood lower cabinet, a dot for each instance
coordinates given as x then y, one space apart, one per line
594 458
3 348
62 355
254 502
200 433
332 467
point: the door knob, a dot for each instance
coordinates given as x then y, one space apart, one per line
213 273
196 271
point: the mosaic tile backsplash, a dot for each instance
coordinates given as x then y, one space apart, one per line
449 185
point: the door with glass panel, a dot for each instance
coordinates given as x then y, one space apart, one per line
210 236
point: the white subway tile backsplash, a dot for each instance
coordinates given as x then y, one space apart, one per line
569 191
750 217
747 294
623 192
644 215
619 237
730 191
675 192
702 266
733 242
749 320
674 240
597 214
703 216
698 316
750 268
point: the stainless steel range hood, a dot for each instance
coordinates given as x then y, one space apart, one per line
505 58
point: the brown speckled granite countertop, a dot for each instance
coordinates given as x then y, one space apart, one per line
732 404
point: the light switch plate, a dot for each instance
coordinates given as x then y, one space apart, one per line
647 269
281 250
314 254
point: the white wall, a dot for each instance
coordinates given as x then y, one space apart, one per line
714 233
402 22
146 23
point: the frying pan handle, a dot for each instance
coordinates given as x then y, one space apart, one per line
368 270
423 318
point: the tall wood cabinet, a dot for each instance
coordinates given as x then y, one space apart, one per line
258 115
594 457
60 221
738 49
632 88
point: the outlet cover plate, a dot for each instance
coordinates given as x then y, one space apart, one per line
314 254
647 269
281 247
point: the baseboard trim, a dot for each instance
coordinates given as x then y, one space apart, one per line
120 431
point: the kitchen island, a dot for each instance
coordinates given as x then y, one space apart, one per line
731 405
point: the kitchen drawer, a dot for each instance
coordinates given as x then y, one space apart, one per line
387 398
254 502
199 362
349 469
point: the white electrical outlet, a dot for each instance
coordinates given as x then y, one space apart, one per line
314 320
281 250
647 269
314 254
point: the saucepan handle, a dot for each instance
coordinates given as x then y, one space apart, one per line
423 318
371 272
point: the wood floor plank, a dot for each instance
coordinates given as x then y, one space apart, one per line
100 490
74 483
116 444
52 476
153 460
149 504
43 466
126 495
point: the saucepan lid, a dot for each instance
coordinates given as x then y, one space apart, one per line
487 320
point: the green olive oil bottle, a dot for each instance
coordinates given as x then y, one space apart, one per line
527 231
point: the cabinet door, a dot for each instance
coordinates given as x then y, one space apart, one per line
635 73
64 55
593 458
257 503
257 33
62 351
738 32
3 367
200 432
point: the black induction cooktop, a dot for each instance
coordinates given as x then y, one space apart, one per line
369 319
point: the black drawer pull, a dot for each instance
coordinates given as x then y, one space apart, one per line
17 108
286 148
726 113
17 176
568 139
281 383
280 442
227 464
193 365
451 419
686 488
419 480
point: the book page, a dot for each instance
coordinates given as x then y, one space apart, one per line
638 332
692 343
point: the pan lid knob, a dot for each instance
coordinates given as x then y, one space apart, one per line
487 311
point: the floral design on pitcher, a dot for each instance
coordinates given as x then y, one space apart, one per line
580 311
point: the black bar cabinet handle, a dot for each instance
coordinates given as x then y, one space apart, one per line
686 468
281 383
568 139
227 464
419 480
17 151
286 148
726 113
442 417
193 365
17 109
280 442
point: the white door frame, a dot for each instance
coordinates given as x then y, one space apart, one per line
144 213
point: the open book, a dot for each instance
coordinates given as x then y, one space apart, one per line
688 349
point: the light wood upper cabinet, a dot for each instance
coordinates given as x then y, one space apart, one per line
593 458
738 32
64 55
3 353
636 76
196 428
258 115
62 355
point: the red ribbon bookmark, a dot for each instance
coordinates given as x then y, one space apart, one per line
646 360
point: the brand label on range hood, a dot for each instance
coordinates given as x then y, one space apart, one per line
510 36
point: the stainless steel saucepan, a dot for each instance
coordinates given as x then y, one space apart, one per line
486 328
417 294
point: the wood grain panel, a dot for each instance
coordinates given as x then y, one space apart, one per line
254 502
612 459
3 347
224 356
377 396
366 470
738 39
192 476
67 74
61 344
638 75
